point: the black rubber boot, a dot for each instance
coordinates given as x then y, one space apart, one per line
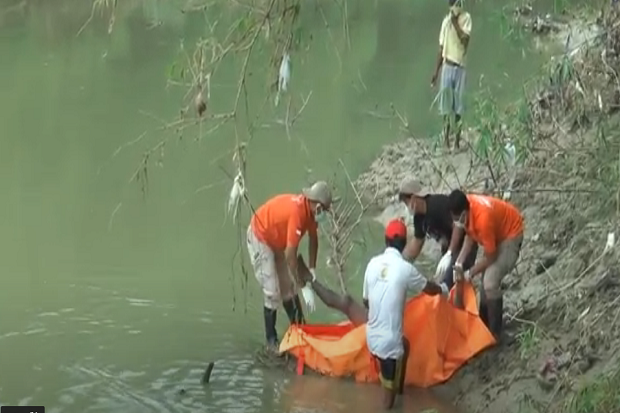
271 334
496 316
483 309
293 310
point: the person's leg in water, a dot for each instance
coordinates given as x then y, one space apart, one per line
355 312
388 372
263 263
402 367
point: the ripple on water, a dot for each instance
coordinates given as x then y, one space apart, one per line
236 386
85 382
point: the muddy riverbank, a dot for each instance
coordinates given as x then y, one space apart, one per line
562 301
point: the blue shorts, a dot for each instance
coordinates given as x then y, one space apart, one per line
451 89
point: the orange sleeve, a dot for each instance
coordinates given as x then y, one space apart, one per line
486 233
293 230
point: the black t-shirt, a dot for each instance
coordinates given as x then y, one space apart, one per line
437 222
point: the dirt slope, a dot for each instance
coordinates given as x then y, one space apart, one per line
563 301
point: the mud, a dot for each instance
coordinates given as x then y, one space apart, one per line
562 301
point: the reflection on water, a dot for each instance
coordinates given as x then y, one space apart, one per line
124 374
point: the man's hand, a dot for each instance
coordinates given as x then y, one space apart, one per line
434 80
313 273
460 275
454 18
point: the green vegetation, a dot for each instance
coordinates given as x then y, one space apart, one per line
528 341
599 396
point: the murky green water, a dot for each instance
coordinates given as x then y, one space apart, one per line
110 302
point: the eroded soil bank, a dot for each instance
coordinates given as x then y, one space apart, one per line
563 301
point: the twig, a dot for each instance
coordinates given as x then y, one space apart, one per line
116 209
331 36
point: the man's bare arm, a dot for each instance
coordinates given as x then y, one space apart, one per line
290 255
468 244
483 264
438 65
413 249
463 37
457 233
313 249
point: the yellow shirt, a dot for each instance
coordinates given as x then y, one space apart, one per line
451 47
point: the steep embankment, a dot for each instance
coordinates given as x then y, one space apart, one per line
563 301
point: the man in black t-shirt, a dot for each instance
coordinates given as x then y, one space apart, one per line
432 218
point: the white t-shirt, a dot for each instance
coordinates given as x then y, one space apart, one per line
386 281
451 46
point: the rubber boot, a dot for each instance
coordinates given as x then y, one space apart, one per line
293 310
496 316
270 317
483 309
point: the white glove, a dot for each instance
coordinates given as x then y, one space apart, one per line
313 272
444 289
308 295
444 264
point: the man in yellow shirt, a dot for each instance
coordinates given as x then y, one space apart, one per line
453 42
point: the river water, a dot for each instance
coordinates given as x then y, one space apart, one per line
111 301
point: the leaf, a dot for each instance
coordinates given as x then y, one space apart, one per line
172 70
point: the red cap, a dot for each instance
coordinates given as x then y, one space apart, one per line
396 228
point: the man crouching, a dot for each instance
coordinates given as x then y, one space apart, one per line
387 280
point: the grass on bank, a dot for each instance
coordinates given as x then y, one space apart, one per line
566 130
602 395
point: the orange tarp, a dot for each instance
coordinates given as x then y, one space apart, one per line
442 338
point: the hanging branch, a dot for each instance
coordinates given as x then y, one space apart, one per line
347 214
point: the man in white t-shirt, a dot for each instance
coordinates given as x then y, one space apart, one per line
387 280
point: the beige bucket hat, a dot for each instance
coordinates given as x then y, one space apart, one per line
410 186
319 192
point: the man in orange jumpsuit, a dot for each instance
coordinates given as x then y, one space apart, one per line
497 226
273 237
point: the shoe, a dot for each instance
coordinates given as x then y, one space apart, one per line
271 335
293 310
